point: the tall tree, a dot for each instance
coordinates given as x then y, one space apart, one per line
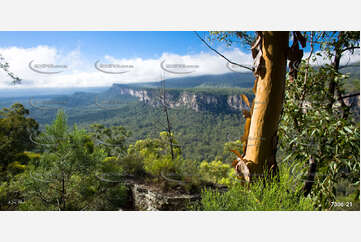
267 105
15 132
73 173
270 51
336 45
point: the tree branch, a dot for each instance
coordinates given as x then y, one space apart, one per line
351 95
306 73
231 62
350 48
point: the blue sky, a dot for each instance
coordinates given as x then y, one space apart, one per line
139 56
79 50
120 44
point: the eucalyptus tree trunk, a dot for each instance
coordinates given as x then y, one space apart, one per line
260 153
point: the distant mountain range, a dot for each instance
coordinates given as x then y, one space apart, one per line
226 80
353 69
233 79
13 92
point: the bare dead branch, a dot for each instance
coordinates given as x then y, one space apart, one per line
229 61
351 95
350 48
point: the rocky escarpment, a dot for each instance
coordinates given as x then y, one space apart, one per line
202 100
198 101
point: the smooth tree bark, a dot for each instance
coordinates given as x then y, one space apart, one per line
260 153
270 52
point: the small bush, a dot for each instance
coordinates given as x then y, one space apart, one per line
262 195
133 165
188 170
16 167
217 172
155 165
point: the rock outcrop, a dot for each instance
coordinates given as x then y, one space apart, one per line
143 197
198 101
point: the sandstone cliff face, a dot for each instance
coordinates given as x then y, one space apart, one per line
205 101
235 102
195 101
142 95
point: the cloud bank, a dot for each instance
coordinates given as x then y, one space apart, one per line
78 71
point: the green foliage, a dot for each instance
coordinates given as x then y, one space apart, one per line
80 170
157 161
111 164
246 38
232 145
115 197
155 165
69 175
112 139
201 134
16 167
268 195
217 172
188 171
133 164
334 42
156 154
312 129
15 132
32 156
10 193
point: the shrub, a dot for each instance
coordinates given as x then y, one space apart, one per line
317 129
155 155
217 172
155 165
262 195
16 167
188 170
133 165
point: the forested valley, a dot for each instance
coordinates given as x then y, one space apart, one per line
189 139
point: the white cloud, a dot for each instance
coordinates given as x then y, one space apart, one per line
347 58
81 72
